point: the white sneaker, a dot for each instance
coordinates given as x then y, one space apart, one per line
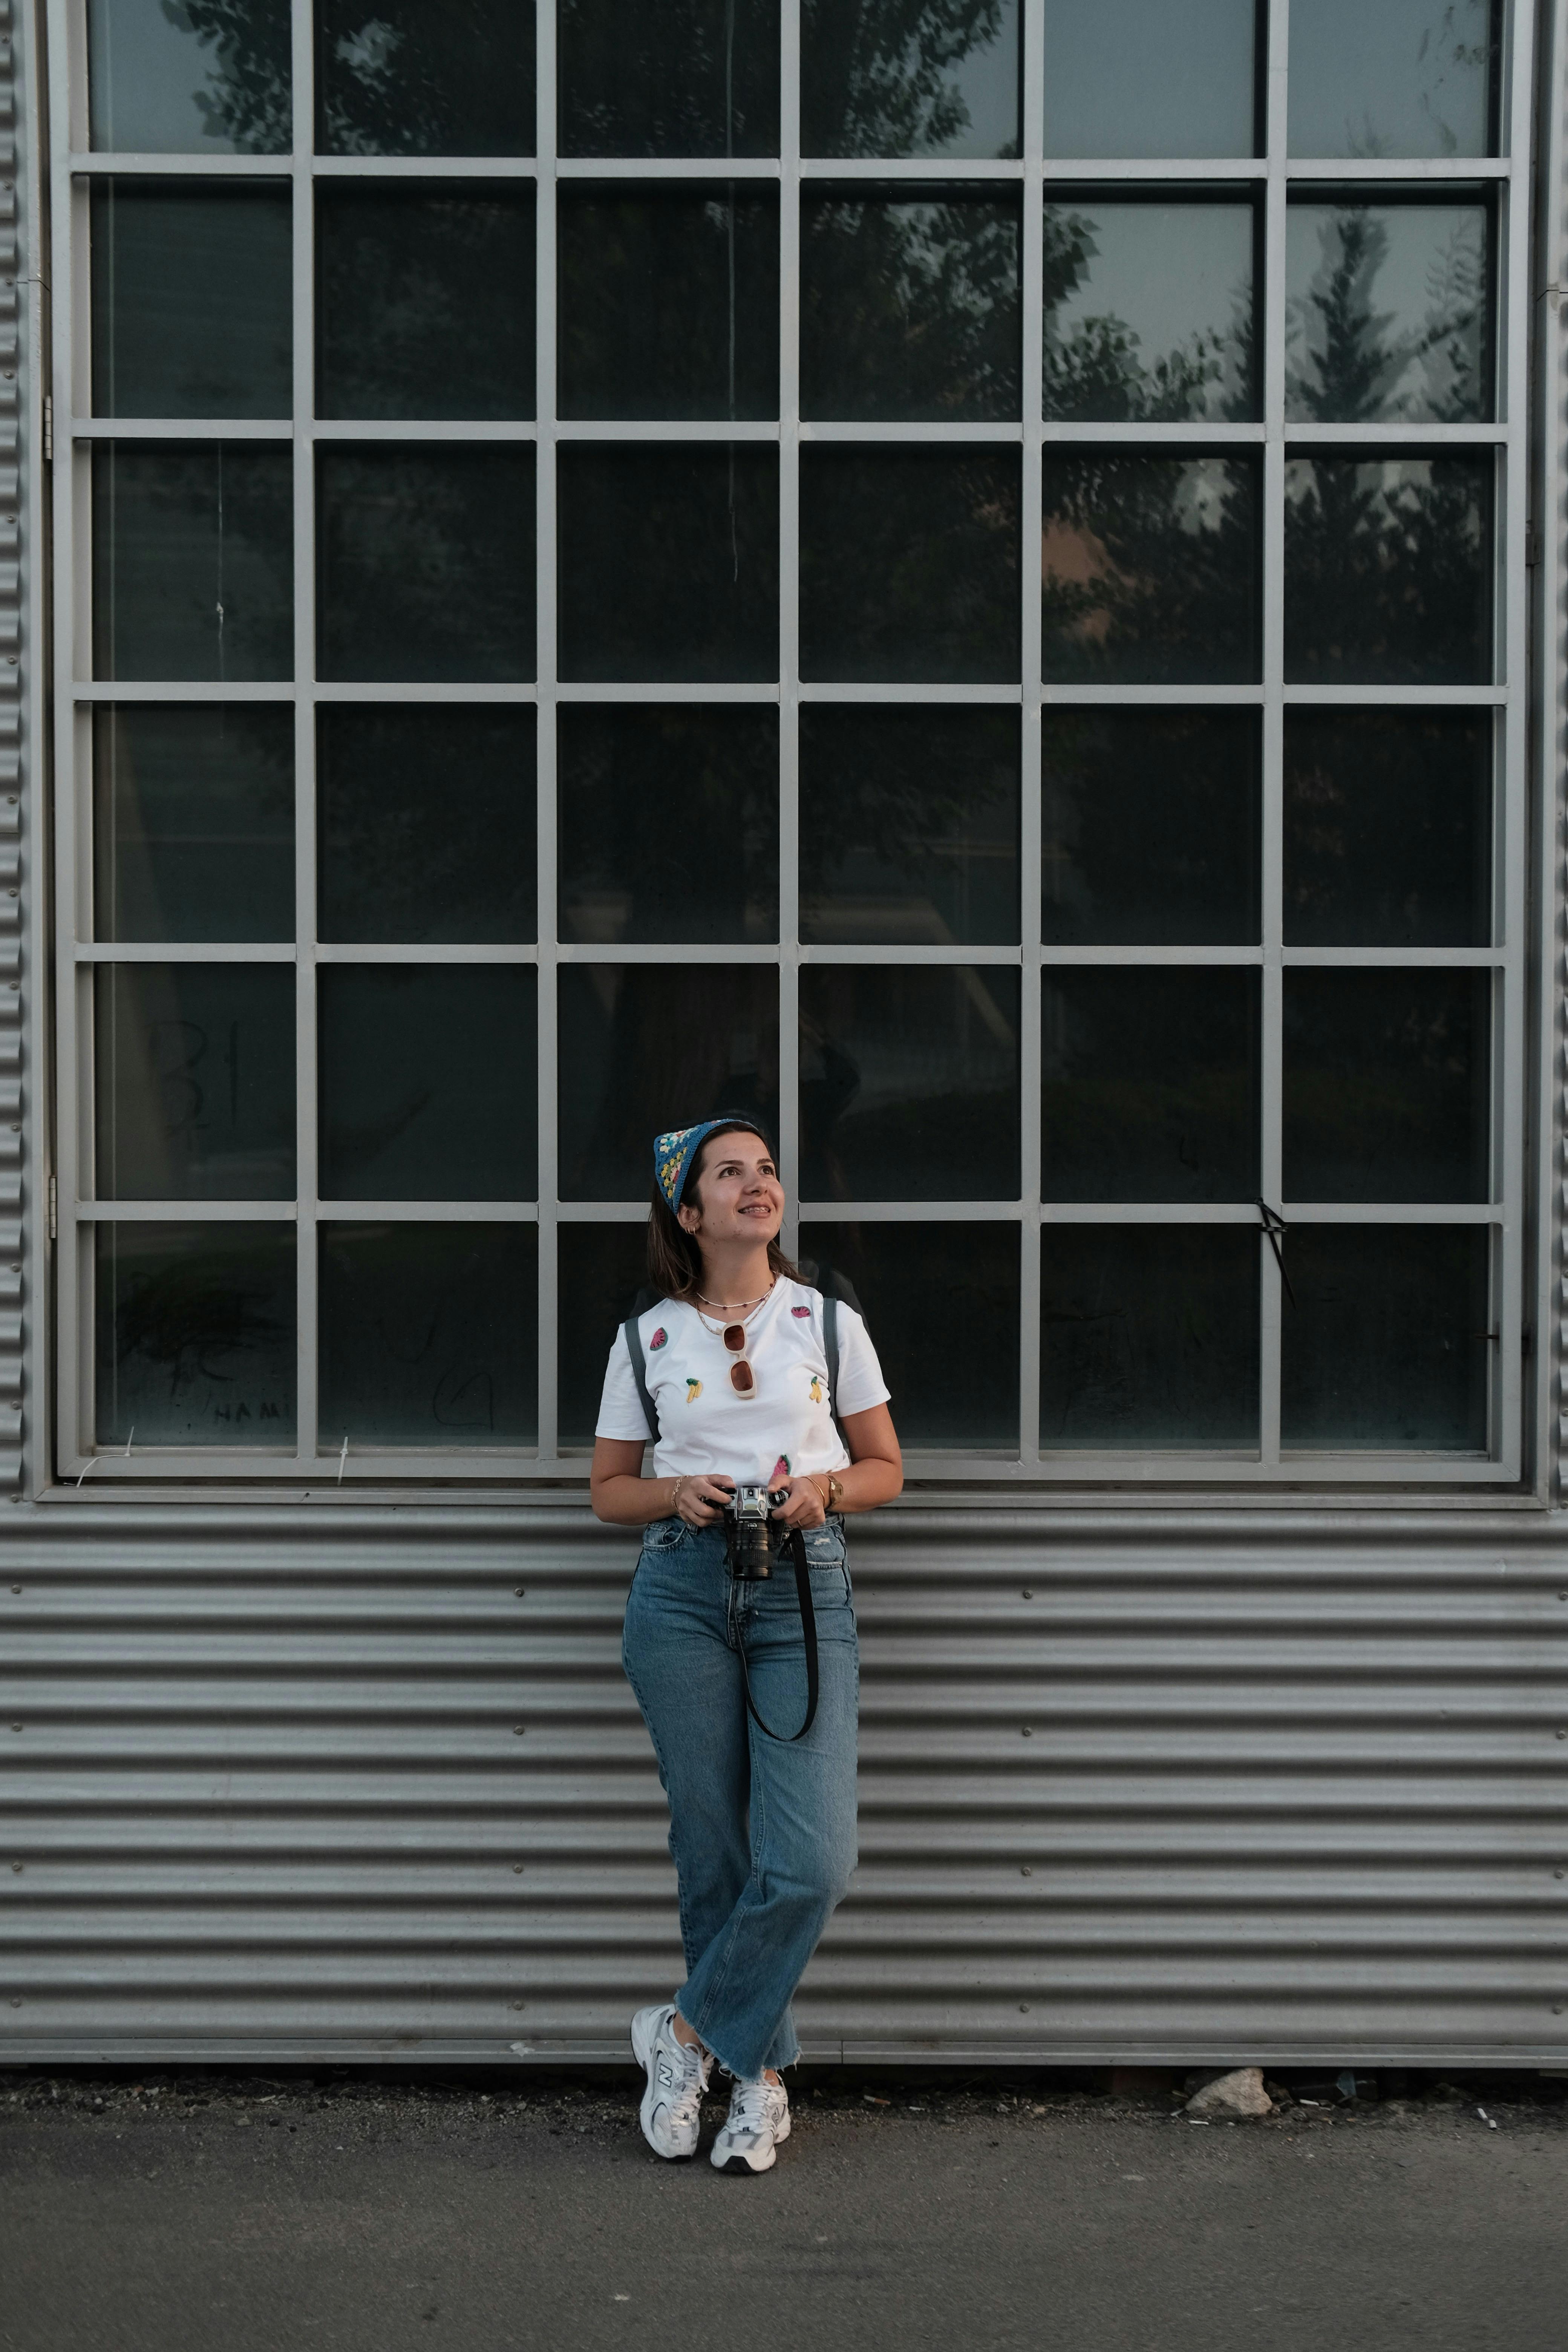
676 2077
758 2120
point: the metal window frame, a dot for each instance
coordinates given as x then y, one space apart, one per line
1268 179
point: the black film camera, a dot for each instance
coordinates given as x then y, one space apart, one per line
752 1537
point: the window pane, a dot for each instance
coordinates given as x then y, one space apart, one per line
1388 569
195 1334
1149 310
909 1082
1140 78
937 1297
1149 1084
648 1047
1388 828
428 1082
1387 1343
909 824
669 78
192 554
1388 313
192 820
602 1269
669 301
910 306
427 823
424 566
201 78
415 80
424 297
1386 1086
639 784
1150 568
908 564
1149 828
876 81
429 1335
194 1081
192 299
1149 1336
1405 77
668 563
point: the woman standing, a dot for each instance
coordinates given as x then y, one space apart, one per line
762 1823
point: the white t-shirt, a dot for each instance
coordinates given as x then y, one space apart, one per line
704 1425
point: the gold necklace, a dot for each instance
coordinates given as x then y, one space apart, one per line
732 1306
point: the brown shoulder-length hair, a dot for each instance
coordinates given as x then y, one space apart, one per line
674 1260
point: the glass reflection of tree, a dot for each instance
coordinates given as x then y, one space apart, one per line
248 102
681 77
1150 567
1385 564
911 309
879 78
1099 372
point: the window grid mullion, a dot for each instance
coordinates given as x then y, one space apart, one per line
547 750
1270 1038
1032 324
305 1073
789 951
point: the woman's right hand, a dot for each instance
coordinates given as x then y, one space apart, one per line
699 1498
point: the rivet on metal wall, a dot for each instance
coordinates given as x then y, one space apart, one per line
517 1870
1023 2009
1027 1732
520 1590
517 1730
1026 1872
1028 1591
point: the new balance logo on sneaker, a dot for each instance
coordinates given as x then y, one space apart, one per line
676 2077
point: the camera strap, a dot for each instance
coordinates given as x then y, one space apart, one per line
796 1542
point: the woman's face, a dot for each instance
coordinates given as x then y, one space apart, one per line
738 1196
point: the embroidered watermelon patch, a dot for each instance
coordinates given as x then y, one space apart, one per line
658 1340
800 1312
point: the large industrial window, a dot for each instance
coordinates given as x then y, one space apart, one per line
947 572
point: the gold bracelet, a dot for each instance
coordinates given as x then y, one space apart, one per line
675 1492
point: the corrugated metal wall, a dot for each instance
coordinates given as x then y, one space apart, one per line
1175 1787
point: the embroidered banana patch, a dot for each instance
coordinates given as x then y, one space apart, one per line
817 1396
693 1391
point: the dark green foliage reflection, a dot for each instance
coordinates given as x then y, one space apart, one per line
193 570
171 76
1149 568
639 784
192 299
192 820
909 824
910 306
908 564
1388 569
425 299
668 77
402 77
1388 828
1149 310
1388 313
1150 827
426 823
910 77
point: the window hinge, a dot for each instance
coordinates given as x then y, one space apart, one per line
1531 549
48 429
54 1208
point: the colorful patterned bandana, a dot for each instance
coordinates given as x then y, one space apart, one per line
674 1153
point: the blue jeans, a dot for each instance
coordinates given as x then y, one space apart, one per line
762 1830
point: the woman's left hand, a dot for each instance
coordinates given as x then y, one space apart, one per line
803 1507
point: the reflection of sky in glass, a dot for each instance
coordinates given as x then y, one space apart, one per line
1417 299
986 80
1180 277
1144 77
1394 77
149 76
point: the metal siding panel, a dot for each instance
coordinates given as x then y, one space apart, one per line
1287 1792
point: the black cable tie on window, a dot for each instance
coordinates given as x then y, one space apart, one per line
1276 1228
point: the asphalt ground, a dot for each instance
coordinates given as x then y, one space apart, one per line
164 2213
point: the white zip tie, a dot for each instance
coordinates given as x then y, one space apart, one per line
127 1441
343 1457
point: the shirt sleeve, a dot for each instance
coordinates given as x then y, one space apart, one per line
860 1381
620 1407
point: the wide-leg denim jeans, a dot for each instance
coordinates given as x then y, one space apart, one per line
762 1830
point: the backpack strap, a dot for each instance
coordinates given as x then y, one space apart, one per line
830 1350
633 1338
